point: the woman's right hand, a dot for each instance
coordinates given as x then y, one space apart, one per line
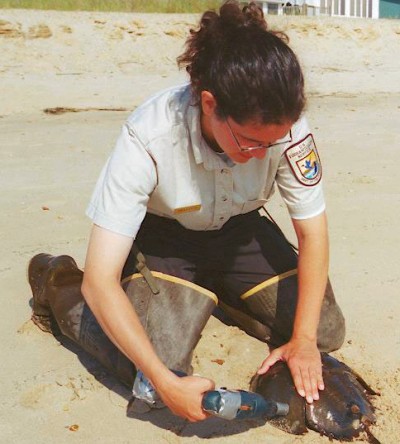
183 395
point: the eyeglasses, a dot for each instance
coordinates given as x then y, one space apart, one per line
260 146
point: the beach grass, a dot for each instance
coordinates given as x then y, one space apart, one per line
162 6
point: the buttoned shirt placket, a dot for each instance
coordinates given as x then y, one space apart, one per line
223 177
223 196
223 183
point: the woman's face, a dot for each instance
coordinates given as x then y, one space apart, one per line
235 139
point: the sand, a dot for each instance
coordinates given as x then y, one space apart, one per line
100 66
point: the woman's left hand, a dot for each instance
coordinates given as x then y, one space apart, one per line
304 361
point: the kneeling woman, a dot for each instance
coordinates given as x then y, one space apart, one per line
190 171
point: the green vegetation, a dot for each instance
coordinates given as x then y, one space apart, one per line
184 6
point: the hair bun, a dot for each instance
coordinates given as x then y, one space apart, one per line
234 17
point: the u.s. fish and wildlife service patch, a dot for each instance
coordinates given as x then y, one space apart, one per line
304 161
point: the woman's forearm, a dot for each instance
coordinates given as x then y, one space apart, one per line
312 275
122 325
107 253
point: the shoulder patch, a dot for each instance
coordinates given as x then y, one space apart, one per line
304 161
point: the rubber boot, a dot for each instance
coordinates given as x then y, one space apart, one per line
44 271
273 304
59 307
172 311
173 318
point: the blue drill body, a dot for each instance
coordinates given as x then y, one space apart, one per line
240 404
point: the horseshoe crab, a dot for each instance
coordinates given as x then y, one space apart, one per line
343 411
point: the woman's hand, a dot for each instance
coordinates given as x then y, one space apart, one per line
183 395
304 361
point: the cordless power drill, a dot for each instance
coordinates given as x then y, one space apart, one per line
241 404
222 403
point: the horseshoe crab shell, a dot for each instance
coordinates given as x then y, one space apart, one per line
343 411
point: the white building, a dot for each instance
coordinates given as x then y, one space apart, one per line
274 7
348 8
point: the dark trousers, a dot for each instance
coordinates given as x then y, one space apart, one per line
248 265
247 251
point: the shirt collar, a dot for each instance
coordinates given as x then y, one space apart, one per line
201 150
194 128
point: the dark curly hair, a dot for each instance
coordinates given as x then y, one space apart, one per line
250 70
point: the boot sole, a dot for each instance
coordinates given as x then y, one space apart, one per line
42 316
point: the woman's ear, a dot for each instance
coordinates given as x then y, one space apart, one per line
208 103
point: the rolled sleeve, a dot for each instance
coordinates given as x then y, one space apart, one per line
303 203
120 198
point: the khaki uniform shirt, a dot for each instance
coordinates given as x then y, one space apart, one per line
162 164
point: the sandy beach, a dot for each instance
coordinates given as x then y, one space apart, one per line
96 68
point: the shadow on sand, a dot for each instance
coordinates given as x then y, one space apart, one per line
162 418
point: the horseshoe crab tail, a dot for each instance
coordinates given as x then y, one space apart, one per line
371 437
365 385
